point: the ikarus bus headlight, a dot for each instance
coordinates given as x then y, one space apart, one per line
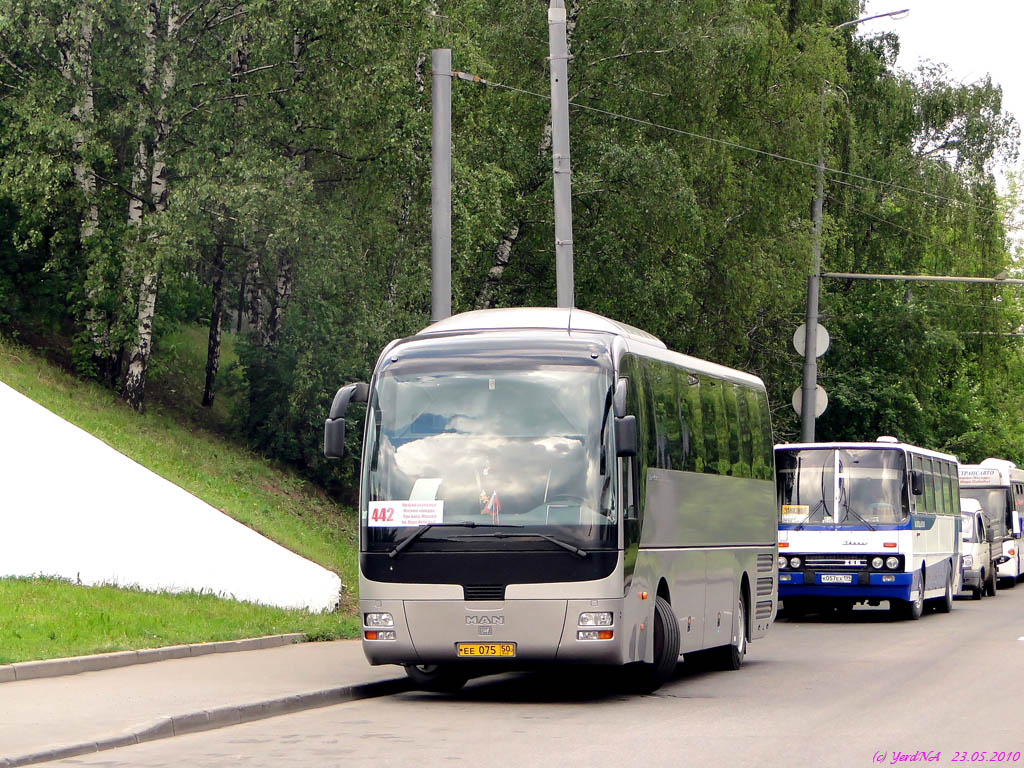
378 620
892 563
783 562
794 562
596 619
877 562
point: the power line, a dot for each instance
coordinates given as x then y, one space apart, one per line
725 142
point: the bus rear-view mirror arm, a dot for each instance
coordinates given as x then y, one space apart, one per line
334 426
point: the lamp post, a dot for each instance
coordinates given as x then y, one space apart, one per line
809 387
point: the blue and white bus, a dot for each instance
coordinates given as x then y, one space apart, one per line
866 523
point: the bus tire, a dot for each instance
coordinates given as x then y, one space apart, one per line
911 609
977 592
731 656
991 587
945 603
650 677
439 678
1010 582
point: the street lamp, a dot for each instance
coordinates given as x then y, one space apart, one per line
809 387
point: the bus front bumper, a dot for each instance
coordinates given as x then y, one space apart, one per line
861 585
513 632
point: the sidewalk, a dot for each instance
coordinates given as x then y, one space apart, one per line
52 718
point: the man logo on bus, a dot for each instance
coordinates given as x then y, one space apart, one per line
485 619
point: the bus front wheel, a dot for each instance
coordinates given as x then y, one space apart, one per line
990 582
436 677
650 677
945 603
911 609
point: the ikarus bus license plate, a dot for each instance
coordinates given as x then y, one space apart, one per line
836 578
487 650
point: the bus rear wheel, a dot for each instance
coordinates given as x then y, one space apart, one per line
731 656
439 678
650 677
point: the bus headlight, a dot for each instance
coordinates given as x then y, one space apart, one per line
877 562
794 562
968 561
378 620
892 563
603 619
782 562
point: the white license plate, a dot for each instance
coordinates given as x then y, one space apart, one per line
837 578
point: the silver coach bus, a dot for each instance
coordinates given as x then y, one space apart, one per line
549 485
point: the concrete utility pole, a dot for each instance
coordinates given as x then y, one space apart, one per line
559 59
441 185
809 387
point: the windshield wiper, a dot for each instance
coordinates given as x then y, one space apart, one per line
563 544
806 520
850 510
408 540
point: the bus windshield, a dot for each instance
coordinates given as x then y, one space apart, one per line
509 447
995 502
856 487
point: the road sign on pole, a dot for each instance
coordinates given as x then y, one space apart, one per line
820 400
822 339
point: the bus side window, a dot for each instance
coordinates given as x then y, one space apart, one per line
917 502
766 462
712 412
690 410
929 487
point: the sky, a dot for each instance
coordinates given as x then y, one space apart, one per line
973 38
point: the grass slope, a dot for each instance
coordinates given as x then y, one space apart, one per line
277 503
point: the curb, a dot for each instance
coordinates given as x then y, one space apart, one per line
210 719
73 665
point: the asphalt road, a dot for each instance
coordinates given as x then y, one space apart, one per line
855 691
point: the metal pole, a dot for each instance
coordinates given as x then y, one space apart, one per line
559 50
810 383
441 185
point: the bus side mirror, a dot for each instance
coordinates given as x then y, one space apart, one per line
916 482
625 436
334 427
1016 523
621 393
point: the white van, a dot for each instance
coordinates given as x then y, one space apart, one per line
980 553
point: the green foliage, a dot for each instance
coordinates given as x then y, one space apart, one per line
297 141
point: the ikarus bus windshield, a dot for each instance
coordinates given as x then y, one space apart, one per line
842 487
478 452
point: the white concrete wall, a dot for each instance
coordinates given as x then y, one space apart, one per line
73 507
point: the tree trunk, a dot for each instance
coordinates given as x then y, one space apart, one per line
216 317
135 380
282 292
254 297
485 299
76 68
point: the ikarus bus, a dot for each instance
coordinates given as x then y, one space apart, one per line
551 486
999 485
866 523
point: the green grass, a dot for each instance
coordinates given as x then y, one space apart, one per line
279 504
46 618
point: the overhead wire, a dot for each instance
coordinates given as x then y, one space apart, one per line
725 142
